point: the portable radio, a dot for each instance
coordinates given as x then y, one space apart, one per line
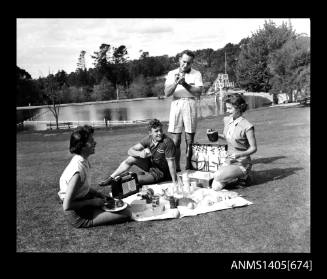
125 185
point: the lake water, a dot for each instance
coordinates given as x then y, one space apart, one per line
130 110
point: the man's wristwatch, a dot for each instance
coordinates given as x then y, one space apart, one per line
185 84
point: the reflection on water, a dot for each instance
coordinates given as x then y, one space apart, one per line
131 110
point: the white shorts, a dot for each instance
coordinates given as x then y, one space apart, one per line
183 113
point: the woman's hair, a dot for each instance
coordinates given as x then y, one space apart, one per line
237 101
79 138
153 124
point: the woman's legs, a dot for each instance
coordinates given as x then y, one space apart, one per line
101 217
226 174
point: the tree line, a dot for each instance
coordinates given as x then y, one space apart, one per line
274 59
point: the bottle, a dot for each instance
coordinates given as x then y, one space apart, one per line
179 187
186 183
173 189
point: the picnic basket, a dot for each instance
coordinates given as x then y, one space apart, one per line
208 157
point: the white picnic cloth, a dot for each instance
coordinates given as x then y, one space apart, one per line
229 200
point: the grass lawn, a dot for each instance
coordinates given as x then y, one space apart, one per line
278 220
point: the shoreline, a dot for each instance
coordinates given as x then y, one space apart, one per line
138 123
162 97
94 102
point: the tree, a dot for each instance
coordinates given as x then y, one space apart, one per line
119 71
139 88
100 56
204 57
101 62
252 69
290 66
27 89
158 87
53 95
81 61
144 54
61 78
103 91
120 55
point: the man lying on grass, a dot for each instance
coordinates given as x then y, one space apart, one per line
154 154
83 205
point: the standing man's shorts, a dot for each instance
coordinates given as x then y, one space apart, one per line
183 113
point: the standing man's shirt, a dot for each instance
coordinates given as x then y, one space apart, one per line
193 78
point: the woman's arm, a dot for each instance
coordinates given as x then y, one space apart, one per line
253 145
70 201
221 136
96 193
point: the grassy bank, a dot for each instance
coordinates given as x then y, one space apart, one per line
278 220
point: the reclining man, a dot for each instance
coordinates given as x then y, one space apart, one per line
154 154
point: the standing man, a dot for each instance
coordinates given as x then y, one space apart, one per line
185 84
154 154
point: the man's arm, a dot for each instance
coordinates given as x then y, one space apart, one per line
170 89
171 84
194 90
172 169
138 150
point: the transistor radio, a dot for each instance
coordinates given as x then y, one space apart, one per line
125 185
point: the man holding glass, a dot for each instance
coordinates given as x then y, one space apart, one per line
185 85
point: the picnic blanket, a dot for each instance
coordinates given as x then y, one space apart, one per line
207 200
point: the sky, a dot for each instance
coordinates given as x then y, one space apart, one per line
48 45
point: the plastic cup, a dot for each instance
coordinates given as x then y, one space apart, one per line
172 202
193 185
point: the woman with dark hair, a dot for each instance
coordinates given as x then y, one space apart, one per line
240 137
82 204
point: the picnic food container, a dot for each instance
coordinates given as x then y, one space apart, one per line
155 201
200 179
212 135
146 194
186 202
